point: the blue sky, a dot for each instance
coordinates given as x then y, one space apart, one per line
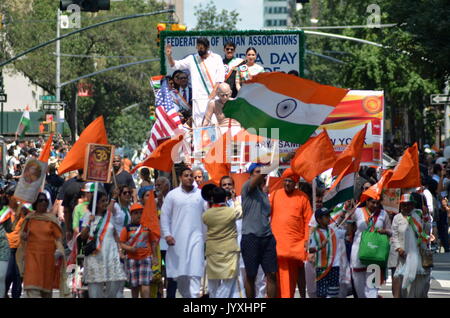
250 12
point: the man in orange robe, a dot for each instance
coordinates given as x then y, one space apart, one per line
291 212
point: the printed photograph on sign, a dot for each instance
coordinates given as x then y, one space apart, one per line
203 139
98 163
31 180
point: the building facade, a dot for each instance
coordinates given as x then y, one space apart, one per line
179 9
277 13
21 92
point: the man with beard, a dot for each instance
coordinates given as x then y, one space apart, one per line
291 212
207 71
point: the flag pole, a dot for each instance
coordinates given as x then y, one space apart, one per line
314 194
94 205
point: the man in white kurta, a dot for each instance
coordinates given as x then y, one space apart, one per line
207 71
183 229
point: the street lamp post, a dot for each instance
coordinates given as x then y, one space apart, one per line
59 113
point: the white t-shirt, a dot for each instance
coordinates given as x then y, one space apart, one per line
11 161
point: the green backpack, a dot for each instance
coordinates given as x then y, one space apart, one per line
374 247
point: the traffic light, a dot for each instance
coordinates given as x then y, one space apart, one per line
178 27
1 21
152 113
160 27
49 127
86 5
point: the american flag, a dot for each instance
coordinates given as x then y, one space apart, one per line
167 119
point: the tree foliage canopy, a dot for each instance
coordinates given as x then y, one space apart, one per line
209 18
99 48
405 68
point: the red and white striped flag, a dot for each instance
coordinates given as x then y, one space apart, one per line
164 127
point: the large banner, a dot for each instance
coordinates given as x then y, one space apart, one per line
352 113
277 50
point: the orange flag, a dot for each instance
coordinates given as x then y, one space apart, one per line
352 153
95 133
375 191
275 183
407 173
149 216
45 154
314 157
161 158
215 161
239 180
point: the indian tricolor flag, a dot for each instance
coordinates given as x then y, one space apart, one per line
155 81
5 214
294 105
348 162
24 123
342 188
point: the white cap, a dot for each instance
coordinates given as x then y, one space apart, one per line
441 160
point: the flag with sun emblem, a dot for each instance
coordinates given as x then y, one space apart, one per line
294 105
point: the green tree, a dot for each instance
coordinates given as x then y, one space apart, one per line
209 18
406 81
113 44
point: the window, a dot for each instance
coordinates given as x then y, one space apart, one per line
282 22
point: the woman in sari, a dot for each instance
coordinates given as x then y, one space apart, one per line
408 237
102 267
370 214
43 252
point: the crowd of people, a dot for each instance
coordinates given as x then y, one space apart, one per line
217 241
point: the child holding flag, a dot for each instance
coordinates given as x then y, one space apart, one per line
324 245
139 244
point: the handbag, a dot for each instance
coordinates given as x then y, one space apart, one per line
374 247
427 257
91 246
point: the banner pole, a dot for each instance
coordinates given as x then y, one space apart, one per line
314 194
94 204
